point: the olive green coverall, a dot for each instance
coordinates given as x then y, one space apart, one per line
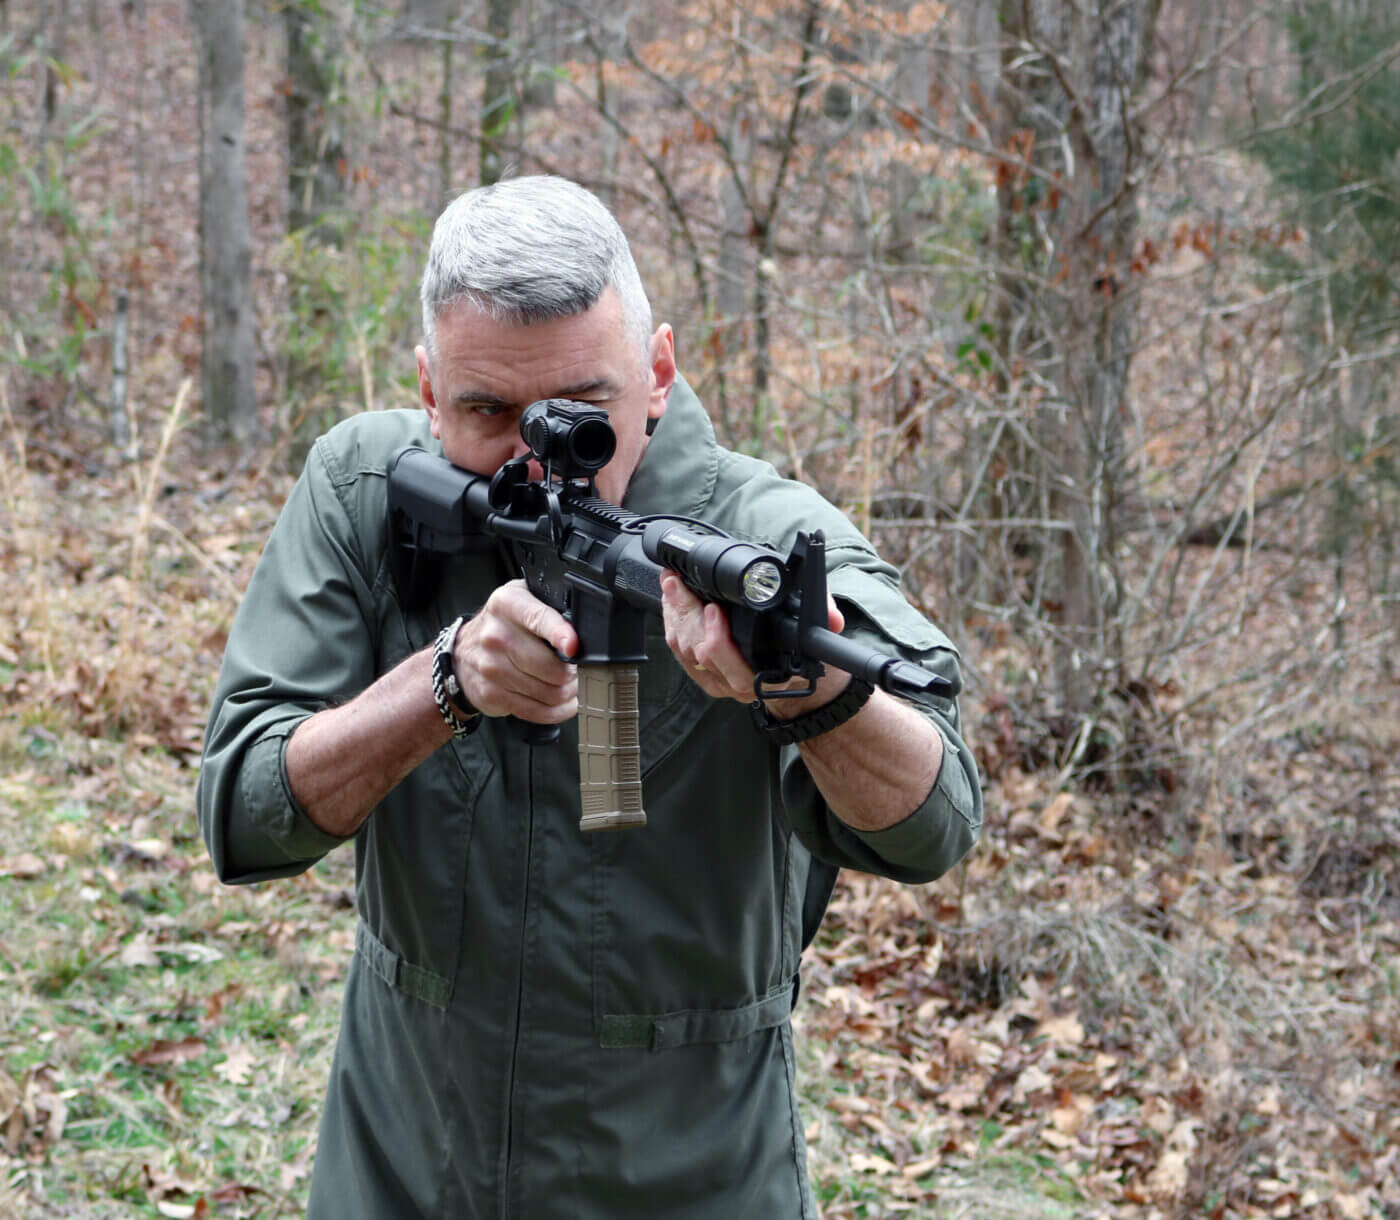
540 1023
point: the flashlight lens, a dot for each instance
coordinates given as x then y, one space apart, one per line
763 581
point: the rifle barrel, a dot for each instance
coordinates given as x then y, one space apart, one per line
898 677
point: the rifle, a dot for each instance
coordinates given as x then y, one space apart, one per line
601 567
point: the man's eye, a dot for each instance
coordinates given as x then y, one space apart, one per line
487 409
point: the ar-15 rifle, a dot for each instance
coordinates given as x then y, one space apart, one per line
601 566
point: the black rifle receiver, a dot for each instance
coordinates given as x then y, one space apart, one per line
600 566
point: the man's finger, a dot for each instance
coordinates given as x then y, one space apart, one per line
539 619
835 620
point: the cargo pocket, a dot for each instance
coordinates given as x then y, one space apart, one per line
412 880
880 601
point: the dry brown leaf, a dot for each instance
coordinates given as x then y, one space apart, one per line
1054 813
921 1168
1170 1177
967 1094
1066 1030
23 867
925 1073
164 1051
161 1183
69 839
38 1115
866 1163
962 1051
238 1064
1070 1118
9 1097
139 952
233 1192
1157 1115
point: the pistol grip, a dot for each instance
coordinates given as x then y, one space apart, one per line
534 734
609 748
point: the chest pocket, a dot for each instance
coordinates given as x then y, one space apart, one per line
412 856
670 704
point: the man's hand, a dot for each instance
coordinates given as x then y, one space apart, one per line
344 760
505 659
698 634
874 770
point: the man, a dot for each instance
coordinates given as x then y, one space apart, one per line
540 1023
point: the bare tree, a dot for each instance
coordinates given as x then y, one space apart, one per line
1073 164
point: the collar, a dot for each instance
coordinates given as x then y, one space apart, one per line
678 471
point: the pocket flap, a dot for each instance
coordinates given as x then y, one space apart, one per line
668 1030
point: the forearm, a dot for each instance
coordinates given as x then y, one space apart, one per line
873 771
344 760
878 767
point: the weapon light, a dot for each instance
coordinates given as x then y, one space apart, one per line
717 566
763 583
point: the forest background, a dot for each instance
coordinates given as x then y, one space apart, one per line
1085 309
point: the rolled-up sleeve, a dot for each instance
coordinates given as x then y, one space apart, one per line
302 640
944 828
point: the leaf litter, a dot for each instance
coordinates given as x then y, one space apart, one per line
1094 1017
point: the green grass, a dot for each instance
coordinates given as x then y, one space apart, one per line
131 981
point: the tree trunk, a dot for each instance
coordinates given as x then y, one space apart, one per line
225 240
497 93
612 29
732 283
977 55
315 134
426 14
118 424
444 189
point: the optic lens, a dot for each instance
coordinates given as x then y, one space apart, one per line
763 581
592 444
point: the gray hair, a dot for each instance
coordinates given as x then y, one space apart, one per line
529 250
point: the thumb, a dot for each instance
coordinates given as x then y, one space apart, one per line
836 621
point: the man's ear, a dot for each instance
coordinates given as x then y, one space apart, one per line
425 391
662 353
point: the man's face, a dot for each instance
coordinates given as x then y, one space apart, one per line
488 372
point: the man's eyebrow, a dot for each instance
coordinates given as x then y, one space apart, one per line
480 398
595 385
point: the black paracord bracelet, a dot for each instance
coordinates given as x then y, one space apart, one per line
447 691
814 723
